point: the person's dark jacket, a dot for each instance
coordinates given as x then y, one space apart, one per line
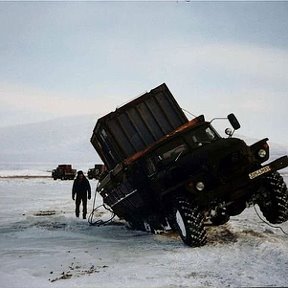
80 188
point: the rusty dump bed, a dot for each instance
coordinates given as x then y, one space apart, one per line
136 125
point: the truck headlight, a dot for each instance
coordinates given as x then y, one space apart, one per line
262 153
200 186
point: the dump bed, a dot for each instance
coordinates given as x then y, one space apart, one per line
136 125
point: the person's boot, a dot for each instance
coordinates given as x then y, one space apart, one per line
84 216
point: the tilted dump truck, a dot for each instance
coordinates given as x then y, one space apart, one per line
163 170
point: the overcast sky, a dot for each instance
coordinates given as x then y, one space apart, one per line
71 58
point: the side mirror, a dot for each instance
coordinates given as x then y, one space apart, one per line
233 121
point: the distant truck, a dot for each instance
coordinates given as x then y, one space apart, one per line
163 170
95 172
64 172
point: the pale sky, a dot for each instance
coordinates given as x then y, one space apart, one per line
72 58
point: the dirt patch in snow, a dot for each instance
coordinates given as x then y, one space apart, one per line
77 270
220 234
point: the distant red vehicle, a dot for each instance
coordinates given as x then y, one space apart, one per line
96 172
64 172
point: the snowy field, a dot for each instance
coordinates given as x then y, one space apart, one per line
44 245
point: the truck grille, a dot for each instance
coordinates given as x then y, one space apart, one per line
234 163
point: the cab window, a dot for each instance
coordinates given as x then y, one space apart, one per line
201 136
165 155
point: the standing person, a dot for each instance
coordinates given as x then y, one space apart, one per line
81 187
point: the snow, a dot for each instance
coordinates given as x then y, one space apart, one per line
24 173
44 245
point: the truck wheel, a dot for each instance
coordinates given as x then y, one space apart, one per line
189 222
274 201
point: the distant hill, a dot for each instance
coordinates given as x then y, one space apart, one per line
63 140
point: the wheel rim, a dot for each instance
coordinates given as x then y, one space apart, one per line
180 223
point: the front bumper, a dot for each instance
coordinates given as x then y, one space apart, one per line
241 185
277 164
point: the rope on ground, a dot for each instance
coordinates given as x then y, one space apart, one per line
267 223
99 222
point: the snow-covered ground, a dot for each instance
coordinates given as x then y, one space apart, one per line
42 244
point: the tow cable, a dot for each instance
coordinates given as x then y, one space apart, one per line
99 222
267 223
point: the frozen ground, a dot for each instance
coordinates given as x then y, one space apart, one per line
42 244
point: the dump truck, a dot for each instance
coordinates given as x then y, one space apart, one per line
95 172
163 171
64 172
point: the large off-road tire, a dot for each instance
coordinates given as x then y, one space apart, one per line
274 200
189 223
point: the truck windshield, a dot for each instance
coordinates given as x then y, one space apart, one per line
175 150
166 155
201 136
